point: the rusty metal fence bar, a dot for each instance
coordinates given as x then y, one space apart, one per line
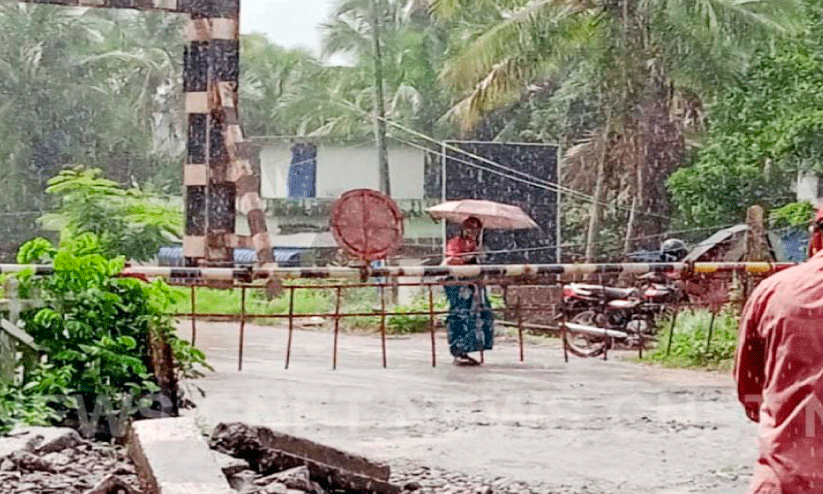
338 315
336 325
242 327
383 325
431 326
506 277
291 326
193 317
671 331
711 328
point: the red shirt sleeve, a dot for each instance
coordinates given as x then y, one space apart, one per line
454 248
750 358
815 243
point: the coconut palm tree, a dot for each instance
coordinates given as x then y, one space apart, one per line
413 51
289 92
643 57
139 62
46 103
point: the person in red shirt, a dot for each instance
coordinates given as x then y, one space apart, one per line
470 321
816 240
779 375
463 249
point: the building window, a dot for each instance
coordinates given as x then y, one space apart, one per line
303 171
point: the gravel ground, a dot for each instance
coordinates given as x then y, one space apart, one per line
70 466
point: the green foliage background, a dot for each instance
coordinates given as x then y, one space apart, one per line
763 130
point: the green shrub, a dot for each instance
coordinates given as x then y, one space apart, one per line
95 329
690 345
795 214
19 405
129 222
405 323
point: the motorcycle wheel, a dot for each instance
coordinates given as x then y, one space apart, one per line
584 344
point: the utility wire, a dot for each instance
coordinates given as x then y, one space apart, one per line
600 244
549 185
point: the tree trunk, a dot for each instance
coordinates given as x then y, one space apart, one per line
596 209
637 193
380 104
662 152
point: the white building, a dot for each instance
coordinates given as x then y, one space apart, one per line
341 168
808 187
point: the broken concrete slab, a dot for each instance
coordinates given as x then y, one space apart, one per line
267 460
233 435
229 464
173 458
38 440
242 481
295 478
324 454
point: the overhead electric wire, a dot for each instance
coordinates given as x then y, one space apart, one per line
532 183
548 184
599 244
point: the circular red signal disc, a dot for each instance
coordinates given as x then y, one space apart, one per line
367 224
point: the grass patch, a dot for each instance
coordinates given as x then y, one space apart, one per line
690 345
229 301
360 300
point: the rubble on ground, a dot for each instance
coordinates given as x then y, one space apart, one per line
46 460
283 464
273 463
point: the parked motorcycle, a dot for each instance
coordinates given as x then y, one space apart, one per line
629 320
581 297
662 291
599 317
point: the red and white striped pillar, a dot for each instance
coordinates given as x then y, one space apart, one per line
217 171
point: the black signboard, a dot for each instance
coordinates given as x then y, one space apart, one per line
511 173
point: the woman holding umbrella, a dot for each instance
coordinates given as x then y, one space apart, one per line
470 321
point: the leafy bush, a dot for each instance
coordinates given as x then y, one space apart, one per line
95 329
764 129
23 406
795 214
132 223
690 346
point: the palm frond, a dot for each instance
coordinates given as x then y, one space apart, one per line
450 8
525 28
505 80
342 36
